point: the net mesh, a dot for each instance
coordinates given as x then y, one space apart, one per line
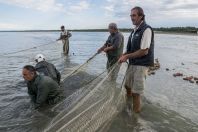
92 105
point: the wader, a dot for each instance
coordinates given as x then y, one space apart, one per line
66 46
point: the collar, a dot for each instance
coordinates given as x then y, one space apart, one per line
35 77
136 27
112 34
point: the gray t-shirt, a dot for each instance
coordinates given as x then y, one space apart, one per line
117 41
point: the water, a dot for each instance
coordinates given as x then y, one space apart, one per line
169 103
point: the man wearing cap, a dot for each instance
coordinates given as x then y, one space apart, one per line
140 53
64 36
113 48
47 69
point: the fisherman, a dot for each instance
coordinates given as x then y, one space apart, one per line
42 89
113 48
46 68
64 36
140 53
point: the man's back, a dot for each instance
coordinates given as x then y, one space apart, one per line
48 69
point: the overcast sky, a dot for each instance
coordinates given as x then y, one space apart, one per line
91 14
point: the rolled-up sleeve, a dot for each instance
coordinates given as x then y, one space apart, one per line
146 39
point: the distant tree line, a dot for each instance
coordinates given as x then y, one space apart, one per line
178 29
161 29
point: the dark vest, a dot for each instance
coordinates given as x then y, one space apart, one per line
134 45
46 69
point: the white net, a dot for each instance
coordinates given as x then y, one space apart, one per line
93 105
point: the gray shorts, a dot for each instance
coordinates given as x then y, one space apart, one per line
135 78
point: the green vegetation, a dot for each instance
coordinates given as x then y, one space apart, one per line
192 30
162 29
178 29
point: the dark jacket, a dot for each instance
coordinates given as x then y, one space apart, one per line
134 44
42 89
48 69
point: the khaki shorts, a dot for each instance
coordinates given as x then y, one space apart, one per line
135 78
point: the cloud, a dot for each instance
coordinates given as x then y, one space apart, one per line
166 9
9 26
109 8
41 5
50 5
182 4
68 7
82 5
118 8
160 13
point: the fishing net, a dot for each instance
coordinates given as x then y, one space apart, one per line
95 101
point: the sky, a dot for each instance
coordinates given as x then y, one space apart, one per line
93 14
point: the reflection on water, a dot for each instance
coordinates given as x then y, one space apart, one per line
170 104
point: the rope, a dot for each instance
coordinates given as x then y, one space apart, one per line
5 54
80 66
80 103
124 76
113 67
92 110
87 83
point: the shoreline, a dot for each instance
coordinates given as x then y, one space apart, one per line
176 33
105 30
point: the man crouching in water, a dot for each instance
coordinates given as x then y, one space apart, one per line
42 89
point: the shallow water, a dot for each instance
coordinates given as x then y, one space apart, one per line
169 104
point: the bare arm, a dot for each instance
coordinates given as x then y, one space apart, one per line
109 48
101 48
59 38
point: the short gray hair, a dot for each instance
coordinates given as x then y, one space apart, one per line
113 26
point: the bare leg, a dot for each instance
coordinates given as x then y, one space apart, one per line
136 102
128 91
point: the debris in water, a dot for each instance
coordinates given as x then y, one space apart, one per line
188 78
195 78
191 81
177 74
154 68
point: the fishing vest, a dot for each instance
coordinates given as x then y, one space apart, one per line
134 44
